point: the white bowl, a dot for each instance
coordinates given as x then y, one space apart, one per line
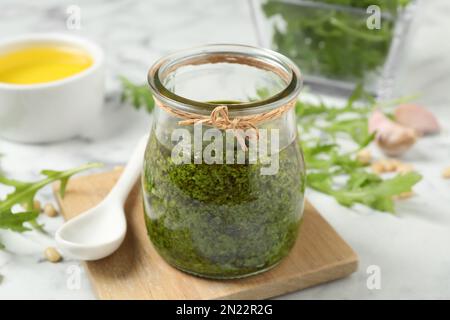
57 110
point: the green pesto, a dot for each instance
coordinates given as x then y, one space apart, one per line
222 220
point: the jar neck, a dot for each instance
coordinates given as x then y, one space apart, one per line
227 55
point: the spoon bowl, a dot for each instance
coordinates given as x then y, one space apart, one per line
99 231
93 234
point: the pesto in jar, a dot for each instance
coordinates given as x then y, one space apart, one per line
222 220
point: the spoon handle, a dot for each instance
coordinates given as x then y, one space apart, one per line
130 174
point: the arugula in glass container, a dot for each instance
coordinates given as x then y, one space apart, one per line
330 37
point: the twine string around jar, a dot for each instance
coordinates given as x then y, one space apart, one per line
219 118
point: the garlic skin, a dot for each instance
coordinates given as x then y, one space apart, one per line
392 138
417 118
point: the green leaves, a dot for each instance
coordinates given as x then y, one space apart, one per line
366 188
336 172
333 41
138 95
9 220
24 193
58 175
357 129
363 4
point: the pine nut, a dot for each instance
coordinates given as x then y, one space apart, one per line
37 205
52 255
364 157
446 173
50 210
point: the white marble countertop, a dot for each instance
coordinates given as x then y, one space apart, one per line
411 248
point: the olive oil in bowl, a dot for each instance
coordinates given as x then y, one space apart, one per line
51 87
42 63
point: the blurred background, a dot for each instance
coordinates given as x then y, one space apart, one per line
135 33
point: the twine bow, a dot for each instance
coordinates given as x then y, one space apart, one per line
219 118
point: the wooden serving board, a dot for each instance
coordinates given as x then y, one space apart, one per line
136 271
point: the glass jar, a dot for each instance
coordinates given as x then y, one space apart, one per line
233 210
338 43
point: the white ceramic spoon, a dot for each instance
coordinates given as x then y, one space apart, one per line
99 231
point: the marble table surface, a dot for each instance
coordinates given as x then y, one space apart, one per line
411 249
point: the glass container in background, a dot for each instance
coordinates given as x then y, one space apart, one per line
331 40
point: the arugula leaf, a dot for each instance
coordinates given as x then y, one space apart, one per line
358 94
361 179
15 221
357 129
366 189
138 95
378 195
24 193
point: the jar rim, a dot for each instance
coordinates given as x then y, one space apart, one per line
229 53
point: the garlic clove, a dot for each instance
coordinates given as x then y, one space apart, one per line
392 138
377 120
417 118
